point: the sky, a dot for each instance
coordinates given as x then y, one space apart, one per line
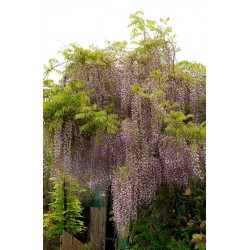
97 21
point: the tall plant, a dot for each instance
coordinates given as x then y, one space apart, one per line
65 210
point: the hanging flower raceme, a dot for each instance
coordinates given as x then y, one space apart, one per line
133 118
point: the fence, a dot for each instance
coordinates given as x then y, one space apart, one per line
97 232
68 242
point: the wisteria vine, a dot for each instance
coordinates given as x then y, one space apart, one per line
141 156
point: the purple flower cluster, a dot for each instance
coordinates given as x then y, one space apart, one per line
141 156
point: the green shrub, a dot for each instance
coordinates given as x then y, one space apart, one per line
66 209
175 220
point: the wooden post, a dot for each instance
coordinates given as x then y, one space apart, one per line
97 228
116 244
66 241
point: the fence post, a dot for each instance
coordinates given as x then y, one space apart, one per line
97 227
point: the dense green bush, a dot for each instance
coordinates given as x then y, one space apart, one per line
175 220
